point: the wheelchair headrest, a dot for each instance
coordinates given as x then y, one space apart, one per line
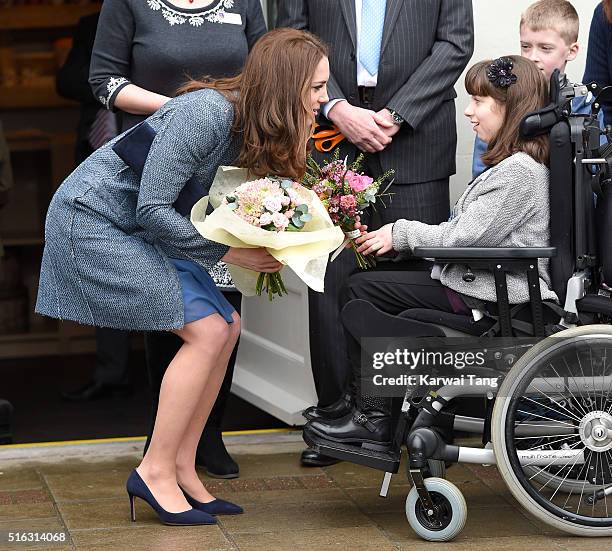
540 122
555 86
562 92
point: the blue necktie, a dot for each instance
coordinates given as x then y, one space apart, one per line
370 39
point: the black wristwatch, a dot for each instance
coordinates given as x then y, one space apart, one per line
397 118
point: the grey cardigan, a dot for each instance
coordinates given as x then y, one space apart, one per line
507 206
109 232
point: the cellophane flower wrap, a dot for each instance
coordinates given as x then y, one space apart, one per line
346 193
276 213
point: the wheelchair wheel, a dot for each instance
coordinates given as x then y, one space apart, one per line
552 430
451 505
565 485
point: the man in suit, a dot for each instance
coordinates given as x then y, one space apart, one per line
393 67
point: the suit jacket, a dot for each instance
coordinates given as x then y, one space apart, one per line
426 45
72 81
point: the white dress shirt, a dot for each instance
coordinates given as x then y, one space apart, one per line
363 77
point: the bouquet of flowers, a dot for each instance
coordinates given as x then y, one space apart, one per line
346 193
272 204
276 213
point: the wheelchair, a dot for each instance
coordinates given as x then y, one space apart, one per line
548 425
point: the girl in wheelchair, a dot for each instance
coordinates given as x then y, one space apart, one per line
506 206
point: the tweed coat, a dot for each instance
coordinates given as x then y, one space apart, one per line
109 232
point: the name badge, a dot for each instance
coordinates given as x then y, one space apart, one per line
231 18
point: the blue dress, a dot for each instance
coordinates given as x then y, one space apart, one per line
201 297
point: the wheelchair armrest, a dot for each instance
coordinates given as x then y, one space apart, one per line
469 253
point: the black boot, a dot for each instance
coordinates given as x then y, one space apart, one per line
212 455
371 429
94 390
338 409
312 458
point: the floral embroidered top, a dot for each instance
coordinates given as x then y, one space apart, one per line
159 46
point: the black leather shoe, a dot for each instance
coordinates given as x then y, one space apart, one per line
214 457
311 458
338 409
371 430
94 391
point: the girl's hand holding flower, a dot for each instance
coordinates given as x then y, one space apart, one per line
378 241
358 226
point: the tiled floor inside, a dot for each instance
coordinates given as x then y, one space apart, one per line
80 490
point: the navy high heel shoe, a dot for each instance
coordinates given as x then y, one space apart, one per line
214 507
136 487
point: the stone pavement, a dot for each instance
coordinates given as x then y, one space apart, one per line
80 489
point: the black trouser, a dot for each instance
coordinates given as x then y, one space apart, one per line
393 291
112 357
161 347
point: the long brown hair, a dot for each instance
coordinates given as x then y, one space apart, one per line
529 93
607 6
271 99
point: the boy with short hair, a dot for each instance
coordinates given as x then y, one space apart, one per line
549 34
548 37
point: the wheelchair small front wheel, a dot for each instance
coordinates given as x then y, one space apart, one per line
451 506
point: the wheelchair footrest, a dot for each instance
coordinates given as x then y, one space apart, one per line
388 461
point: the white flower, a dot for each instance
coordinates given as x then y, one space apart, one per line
215 18
154 4
293 195
196 21
172 18
228 4
265 219
280 221
273 203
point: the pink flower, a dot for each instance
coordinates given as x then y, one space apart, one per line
321 187
280 221
348 202
265 219
358 182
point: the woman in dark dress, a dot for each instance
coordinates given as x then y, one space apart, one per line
144 51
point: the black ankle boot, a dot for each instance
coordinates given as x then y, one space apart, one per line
338 409
213 456
370 429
